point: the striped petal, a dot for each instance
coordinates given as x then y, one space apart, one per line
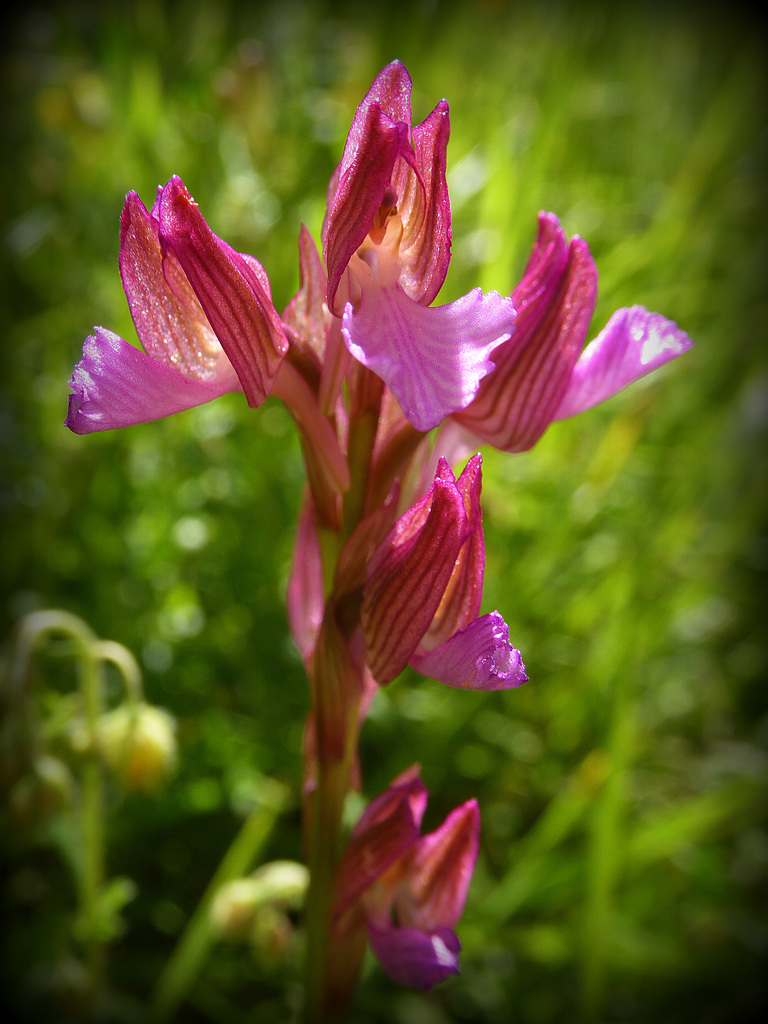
408 573
232 289
555 300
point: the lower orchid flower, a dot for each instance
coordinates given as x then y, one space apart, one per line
406 890
423 590
203 313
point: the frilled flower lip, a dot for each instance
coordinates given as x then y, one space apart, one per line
423 589
432 358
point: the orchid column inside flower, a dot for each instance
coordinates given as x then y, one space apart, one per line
387 240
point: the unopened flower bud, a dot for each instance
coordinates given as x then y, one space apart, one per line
139 744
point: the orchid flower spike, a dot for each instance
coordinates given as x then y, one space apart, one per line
203 313
405 889
542 374
387 240
423 590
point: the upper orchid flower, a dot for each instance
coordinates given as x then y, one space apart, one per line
387 240
542 374
203 313
407 890
423 589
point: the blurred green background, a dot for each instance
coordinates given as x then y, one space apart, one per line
624 861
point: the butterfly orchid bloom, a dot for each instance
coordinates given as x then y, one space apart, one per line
387 240
407 890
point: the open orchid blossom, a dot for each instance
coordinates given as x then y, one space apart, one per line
423 590
406 889
387 239
541 374
203 313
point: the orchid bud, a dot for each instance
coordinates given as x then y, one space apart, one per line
138 743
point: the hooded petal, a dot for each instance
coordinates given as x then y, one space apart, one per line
387 830
425 209
555 300
415 958
169 319
477 657
633 343
117 385
232 289
463 595
432 358
408 573
439 872
357 194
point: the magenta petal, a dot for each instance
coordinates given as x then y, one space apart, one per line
232 289
478 657
414 958
432 358
408 573
439 872
117 385
425 209
633 343
170 322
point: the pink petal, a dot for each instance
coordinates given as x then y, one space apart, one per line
461 601
117 385
169 319
304 313
439 872
633 343
387 830
232 289
432 358
555 300
425 210
478 657
415 958
358 193
407 575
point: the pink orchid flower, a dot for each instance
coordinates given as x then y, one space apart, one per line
387 239
405 889
203 313
423 590
541 373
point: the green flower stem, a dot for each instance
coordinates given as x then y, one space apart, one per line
181 970
325 844
333 772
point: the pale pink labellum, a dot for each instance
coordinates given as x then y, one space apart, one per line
633 343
